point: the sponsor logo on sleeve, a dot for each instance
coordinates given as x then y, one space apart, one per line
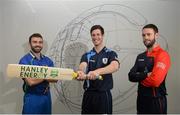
161 65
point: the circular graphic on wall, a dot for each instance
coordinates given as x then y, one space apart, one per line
122 26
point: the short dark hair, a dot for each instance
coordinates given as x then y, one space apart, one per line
152 26
35 35
97 27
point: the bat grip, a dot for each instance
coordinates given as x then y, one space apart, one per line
97 77
75 75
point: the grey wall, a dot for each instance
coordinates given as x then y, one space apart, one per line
1 43
173 78
178 55
20 18
1 31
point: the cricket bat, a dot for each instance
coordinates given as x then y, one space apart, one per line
41 72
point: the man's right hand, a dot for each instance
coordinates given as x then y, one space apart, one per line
81 75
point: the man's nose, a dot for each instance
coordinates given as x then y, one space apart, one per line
145 36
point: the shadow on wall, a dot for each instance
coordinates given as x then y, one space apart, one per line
10 95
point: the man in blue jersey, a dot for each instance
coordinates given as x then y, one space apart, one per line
102 61
37 98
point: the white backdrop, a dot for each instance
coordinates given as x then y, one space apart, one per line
0 32
65 24
178 54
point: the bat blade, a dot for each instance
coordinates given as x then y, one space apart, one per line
40 72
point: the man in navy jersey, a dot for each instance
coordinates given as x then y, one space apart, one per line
37 98
100 61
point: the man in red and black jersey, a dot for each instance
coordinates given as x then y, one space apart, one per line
150 71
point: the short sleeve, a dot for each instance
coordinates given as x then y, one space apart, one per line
84 58
23 61
50 62
113 56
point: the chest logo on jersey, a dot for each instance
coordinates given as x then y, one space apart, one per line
105 60
92 60
140 59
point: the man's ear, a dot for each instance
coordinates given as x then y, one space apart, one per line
157 35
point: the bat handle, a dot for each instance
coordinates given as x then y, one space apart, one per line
98 77
75 75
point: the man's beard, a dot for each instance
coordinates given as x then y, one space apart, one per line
150 44
35 50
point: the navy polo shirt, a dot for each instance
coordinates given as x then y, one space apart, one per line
99 60
30 59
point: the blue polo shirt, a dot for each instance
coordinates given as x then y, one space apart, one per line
99 60
30 59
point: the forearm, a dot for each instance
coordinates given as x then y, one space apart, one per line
83 66
137 76
81 71
31 81
113 67
52 80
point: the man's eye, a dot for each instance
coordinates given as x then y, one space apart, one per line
34 41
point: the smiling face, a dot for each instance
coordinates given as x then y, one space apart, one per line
36 44
97 37
149 37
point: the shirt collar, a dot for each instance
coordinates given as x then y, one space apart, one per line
32 54
100 51
154 49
